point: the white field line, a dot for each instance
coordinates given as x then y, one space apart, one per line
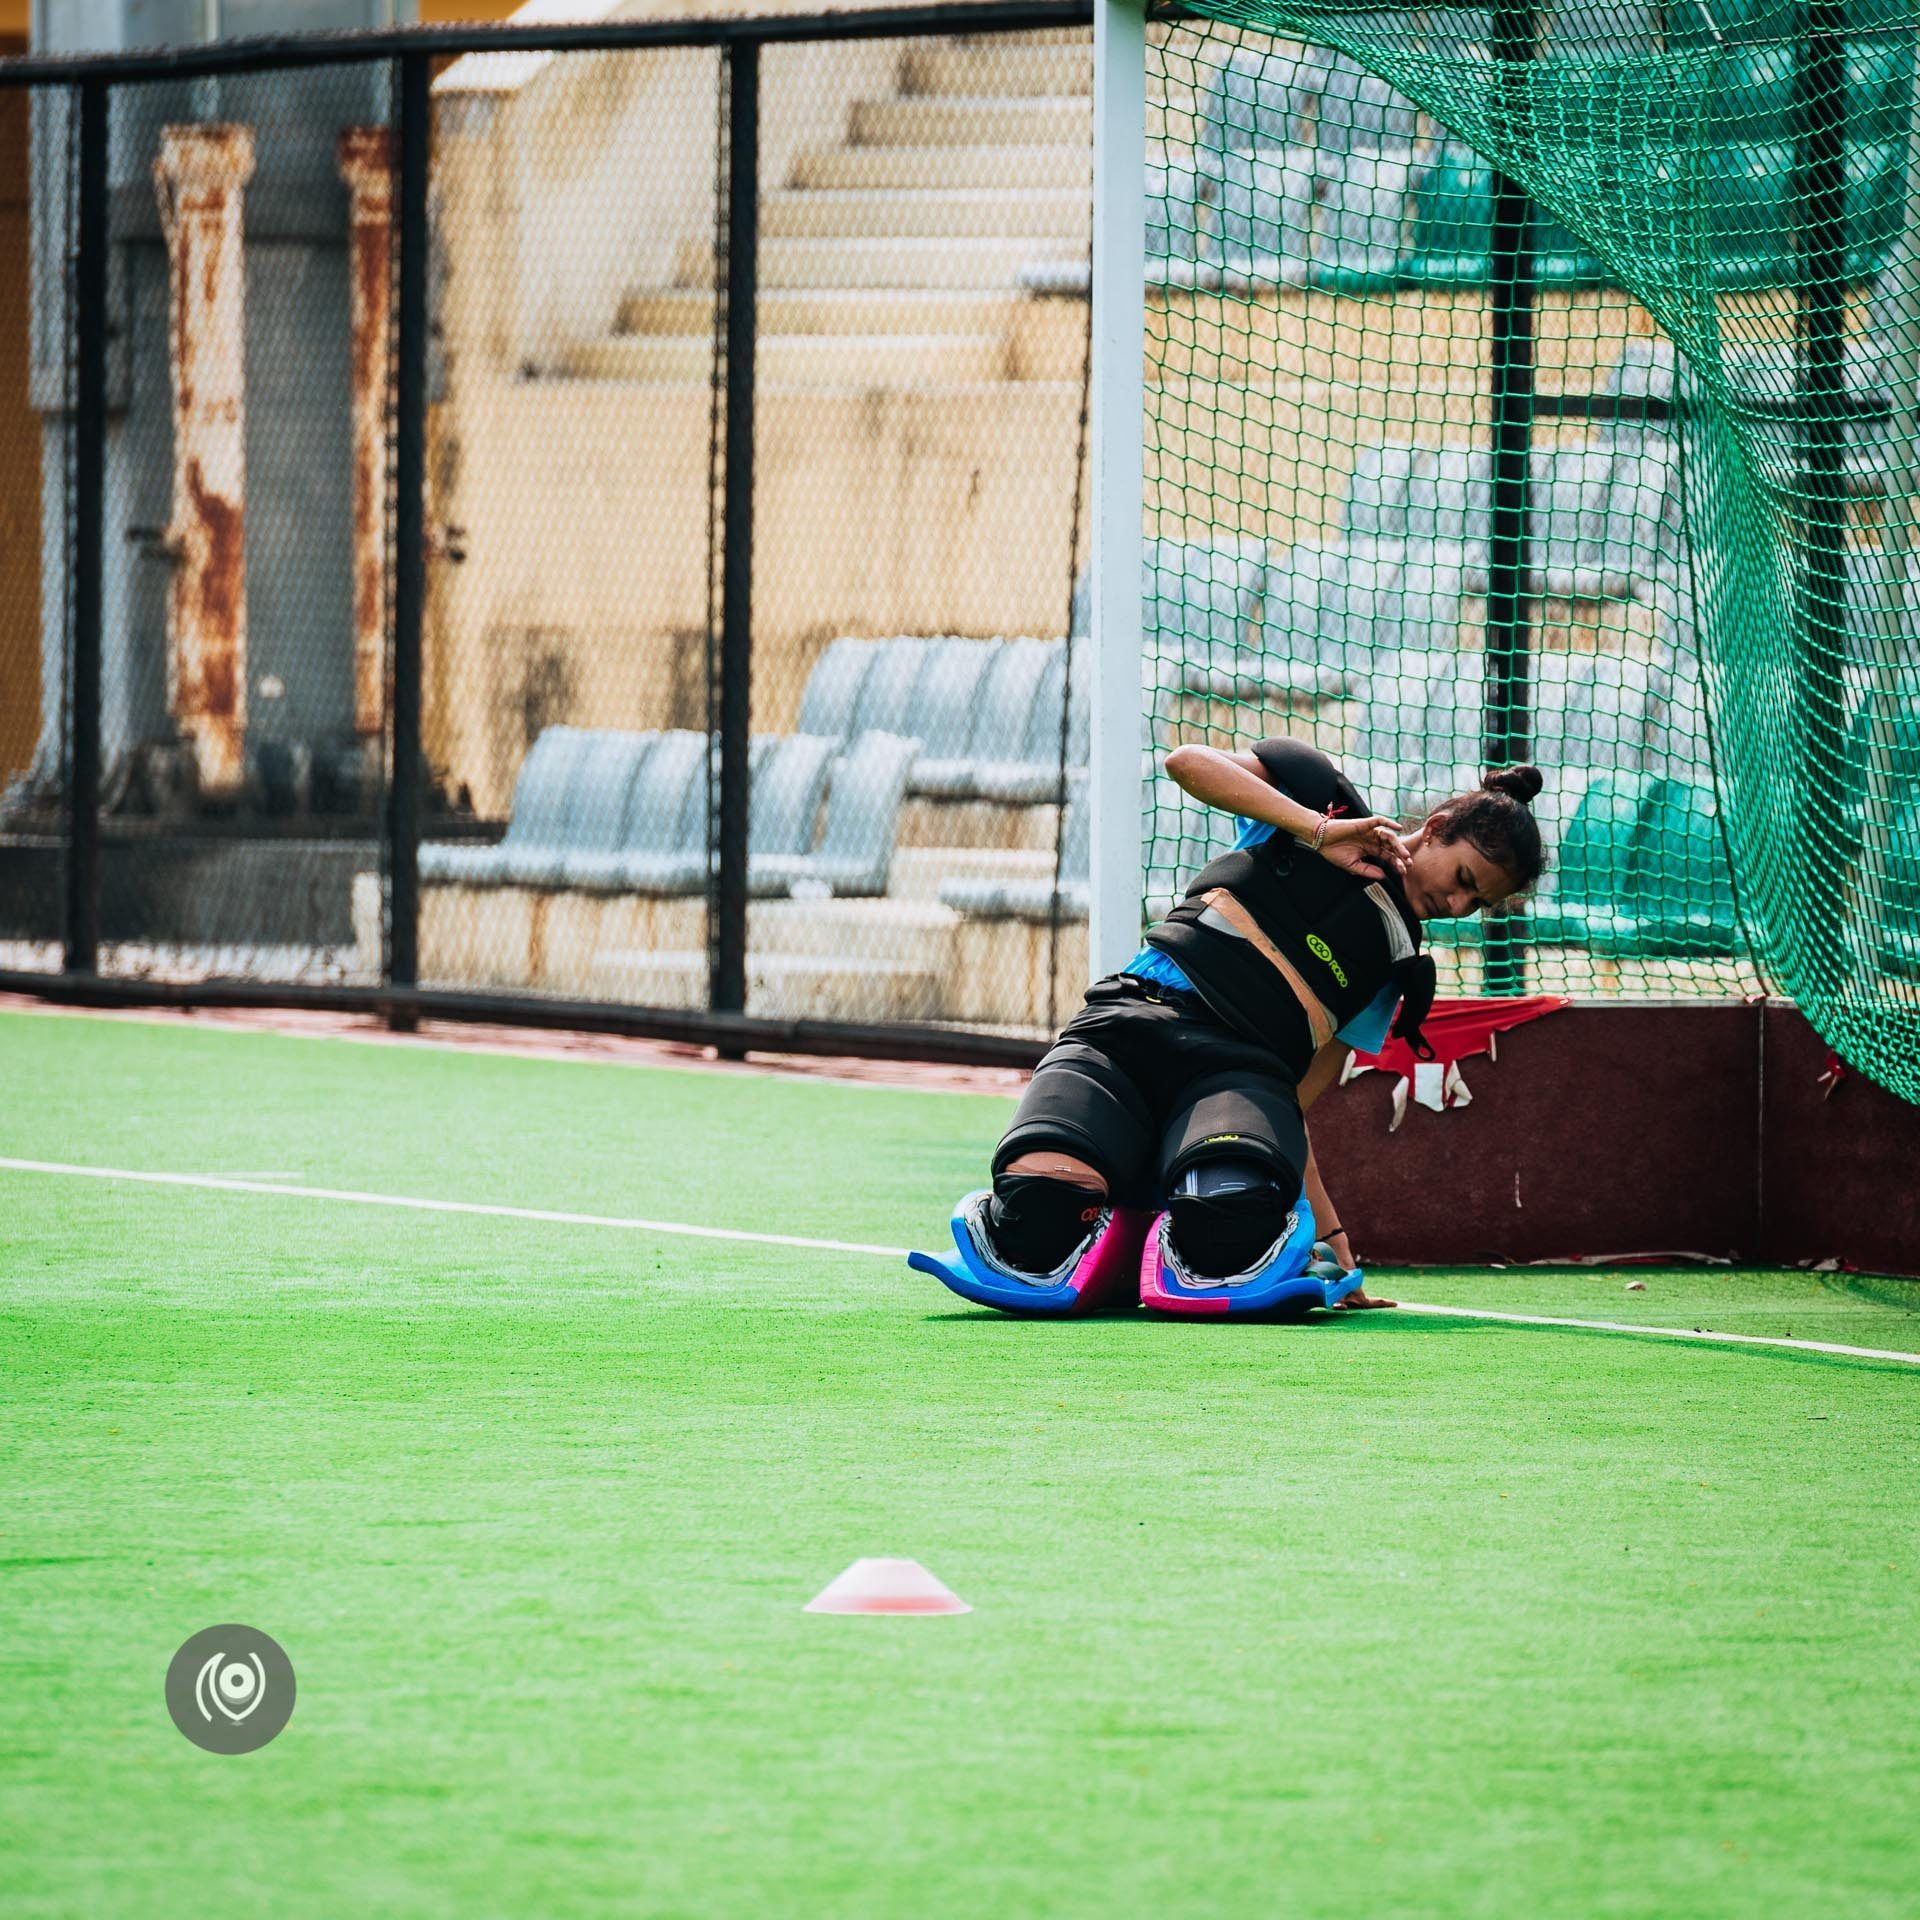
220 1183
224 1183
1702 1334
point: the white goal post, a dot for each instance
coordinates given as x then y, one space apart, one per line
1119 479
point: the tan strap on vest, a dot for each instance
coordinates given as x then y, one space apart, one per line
1236 919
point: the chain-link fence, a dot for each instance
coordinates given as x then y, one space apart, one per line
578 522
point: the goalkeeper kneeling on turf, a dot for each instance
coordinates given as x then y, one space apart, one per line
1163 1138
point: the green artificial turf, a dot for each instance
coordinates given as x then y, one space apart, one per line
1377 1615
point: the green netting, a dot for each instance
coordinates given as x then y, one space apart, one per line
1559 402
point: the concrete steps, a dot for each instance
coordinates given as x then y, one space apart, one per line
1062 214
803 360
860 310
903 169
895 258
957 120
983 69
792 264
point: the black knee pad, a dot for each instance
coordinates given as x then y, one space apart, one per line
1035 1221
1226 1214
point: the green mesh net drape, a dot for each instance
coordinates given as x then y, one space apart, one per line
1543 383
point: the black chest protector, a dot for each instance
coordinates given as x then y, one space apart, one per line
1345 937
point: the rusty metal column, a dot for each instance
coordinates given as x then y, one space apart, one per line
200 175
365 156
405 793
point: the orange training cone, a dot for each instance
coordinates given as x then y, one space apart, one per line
887 1586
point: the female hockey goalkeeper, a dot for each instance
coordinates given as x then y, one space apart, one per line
1183 1083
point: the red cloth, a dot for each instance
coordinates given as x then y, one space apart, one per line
1459 1029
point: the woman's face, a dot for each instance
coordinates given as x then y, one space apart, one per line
1449 879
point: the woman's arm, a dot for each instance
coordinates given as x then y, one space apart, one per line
1236 783
1328 1065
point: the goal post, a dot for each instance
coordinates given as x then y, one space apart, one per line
1119 479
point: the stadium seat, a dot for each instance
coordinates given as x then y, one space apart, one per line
1258 100
1329 613
1200 591
1607 518
1647 368
1680 892
1037 900
1031 773
887 692
827 703
1356 111
1899 934
1452 228
1891 760
1582 897
1365 212
600 817
666 846
1260 219
1175 221
534 826
855 855
1739 200
1010 686
1764 380
1181 837
941 713
788 785
1200 597
1751 96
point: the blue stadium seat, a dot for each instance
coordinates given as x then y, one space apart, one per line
827 702
1898 941
600 816
1037 900
789 782
942 711
1260 220
1452 228
1750 96
887 692
665 851
1002 712
1738 201
855 854
535 826
1030 774
1329 614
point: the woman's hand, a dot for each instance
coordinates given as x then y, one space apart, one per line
1342 1249
1369 847
1360 1298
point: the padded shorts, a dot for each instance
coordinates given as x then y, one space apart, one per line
1144 1082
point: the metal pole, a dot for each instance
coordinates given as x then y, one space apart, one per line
1820 203
728 984
1119 477
404 794
1511 295
89 429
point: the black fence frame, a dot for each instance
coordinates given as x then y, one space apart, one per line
412 51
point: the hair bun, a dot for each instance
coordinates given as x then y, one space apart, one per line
1517 783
